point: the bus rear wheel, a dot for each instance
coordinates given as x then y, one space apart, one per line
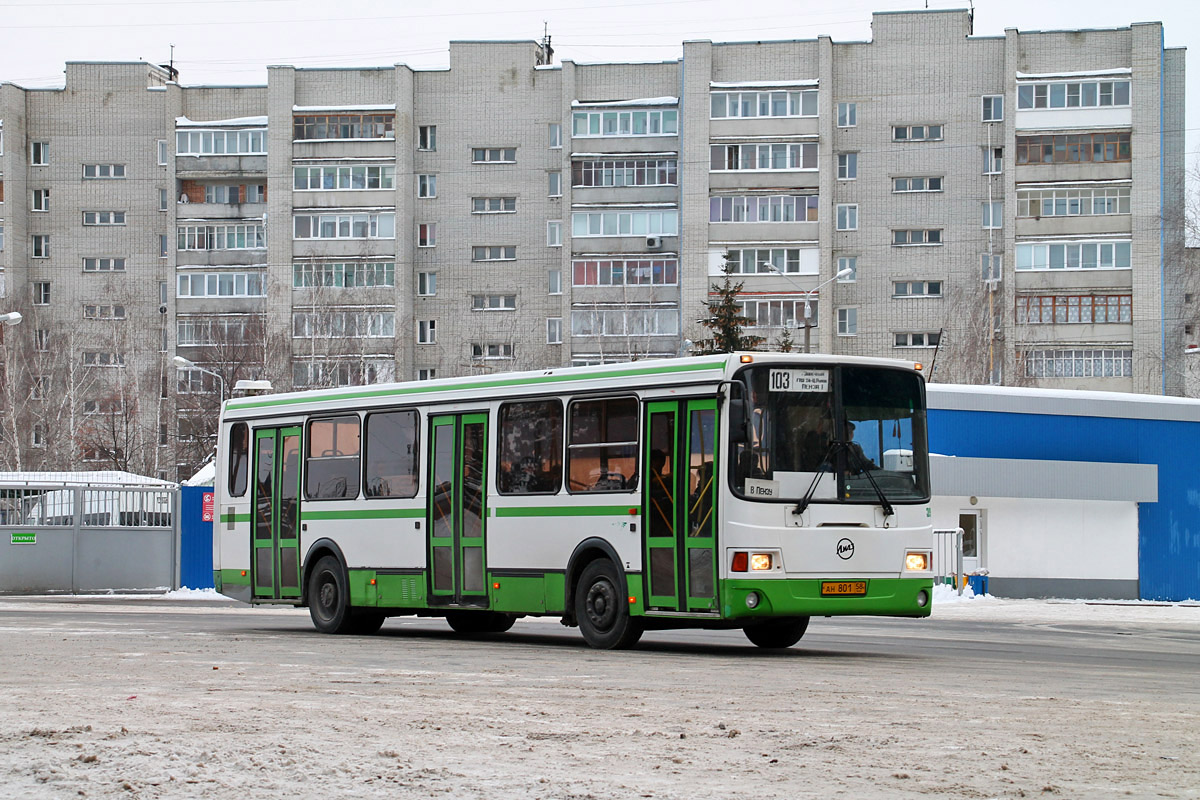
778 633
329 598
602 610
471 623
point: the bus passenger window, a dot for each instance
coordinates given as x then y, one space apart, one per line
331 470
531 438
239 458
391 454
602 451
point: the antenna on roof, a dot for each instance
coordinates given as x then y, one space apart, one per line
546 53
172 73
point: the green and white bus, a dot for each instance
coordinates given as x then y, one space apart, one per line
747 490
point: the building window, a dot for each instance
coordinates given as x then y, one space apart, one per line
426 284
744 157
554 135
916 133
344 324
847 166
625 172
1078 363
1073 202
1083 94
381 225
764 104
221 284
493 205
847 115
624 272
39 387
163 199
104 171
778 260
426 374
917 289
625 123
624 223
916 339
494 253
337 178
1073 255
95 358
494 302
162 152
847 217
847 263
162 245
554 233
103 311
993 108
993 215
427 137
41 200
208 143
993 160
38 436
41 245
785 313
231 329
491 351
39 154
1074 309
927 184
1075 148
754 208
554 281
104 218
427 331
221 237
554 330
908 238
427 186
554 183
847 322
494 155
343 126
625 322
427 234
991 268
41 340
104 264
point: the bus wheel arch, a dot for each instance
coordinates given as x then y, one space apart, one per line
585 553
327 592
316 551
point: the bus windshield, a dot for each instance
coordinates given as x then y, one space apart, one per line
852 434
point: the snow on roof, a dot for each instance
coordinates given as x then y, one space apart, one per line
350 107
1030 76
754 84
103 477
184 122
640 101
204 477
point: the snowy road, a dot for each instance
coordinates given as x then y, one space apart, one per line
155 699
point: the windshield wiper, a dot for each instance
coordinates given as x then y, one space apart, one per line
883 501
834 447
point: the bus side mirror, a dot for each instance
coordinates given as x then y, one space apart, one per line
738 421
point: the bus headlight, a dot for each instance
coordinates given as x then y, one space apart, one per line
760 561
752 600
916 561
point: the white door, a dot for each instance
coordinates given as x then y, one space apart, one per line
972 524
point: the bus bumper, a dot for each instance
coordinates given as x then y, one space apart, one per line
802 597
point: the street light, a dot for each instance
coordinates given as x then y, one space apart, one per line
11 318
808 293
184 363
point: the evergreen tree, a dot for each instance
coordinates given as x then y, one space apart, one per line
725 319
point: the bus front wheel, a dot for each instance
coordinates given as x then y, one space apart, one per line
328 597
602 611
777 633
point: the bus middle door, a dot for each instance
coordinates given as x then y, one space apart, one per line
276 545
457 509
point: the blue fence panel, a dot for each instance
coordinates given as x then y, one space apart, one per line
195 537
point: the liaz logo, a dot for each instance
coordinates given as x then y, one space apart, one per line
845 549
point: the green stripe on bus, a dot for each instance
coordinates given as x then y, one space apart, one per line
235 518
568 511
366 513
716 364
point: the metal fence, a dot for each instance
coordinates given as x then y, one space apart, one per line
948 557
63 538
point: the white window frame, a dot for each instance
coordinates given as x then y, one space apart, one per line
993 165
554 330
41 293
992 108
585 224
39 154
40 246
797 103
554 282
378 225
928 341
851 263
847 321
847 115
427 138
494 252
103 264
749 157
161 150
624 122
493 155
847 217
103 218
493 302
847 166
554 183
904 290
427 186
904 184
554 135
40 201
929 133
554 233
993 215
104 172
426 234
427 284
928 237
493 205
427 374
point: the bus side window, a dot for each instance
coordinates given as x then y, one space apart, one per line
530 451
602 451
391 454
331 469
239 458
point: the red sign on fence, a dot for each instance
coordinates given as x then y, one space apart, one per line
207 513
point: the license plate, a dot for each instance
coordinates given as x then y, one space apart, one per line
843 587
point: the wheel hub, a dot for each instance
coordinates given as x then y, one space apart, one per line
600 605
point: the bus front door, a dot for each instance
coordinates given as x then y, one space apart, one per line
679 505
275 561
457 509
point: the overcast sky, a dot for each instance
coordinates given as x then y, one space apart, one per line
232 41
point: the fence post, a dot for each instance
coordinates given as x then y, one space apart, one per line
76 525
959 578
176 543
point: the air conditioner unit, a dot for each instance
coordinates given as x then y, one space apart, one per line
653 242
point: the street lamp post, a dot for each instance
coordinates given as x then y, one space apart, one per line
808 293
184 363
11 318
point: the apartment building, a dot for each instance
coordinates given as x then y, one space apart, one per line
1006 209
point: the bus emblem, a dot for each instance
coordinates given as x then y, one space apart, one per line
845 549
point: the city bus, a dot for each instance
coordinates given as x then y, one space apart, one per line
748 490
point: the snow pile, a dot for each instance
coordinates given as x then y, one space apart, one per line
184 593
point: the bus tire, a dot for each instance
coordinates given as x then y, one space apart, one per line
365 623
471 623
601 610
329 597
778 633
